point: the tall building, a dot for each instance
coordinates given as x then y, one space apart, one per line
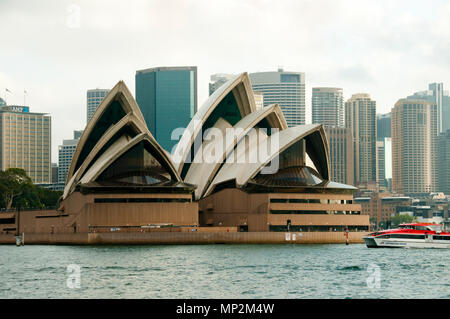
65 154
94 98
381 163
384 150
259 100
328 106
284 88
360 117
2 102
341 154
444 163
167 97
54 173
77 134
25 142
436 94
217 80
414 138
383 126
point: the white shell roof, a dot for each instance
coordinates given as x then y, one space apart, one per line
241 87
133 118
202 172
242 171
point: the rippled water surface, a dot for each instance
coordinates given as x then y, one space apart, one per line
225 271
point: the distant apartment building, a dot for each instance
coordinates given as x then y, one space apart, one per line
414 151
94 98
328 106
436 94
167 97
65 154
217 80
25 142
284 88
444 163
259 100
341 154
381 207
360 118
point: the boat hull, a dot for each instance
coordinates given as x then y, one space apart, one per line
374 242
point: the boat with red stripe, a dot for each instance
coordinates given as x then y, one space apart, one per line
411 235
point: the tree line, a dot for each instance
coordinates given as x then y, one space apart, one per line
18 191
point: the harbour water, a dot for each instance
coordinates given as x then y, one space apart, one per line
223 271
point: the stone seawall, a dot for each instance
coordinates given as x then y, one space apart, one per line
186 238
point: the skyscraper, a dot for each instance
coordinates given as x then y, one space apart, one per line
360 117
381 163
54 173
414 126
328 106
25 142
167 97
94 98
217 80
383 126
444 163
285 88
436 94
65 154
341 154
384 149
259 99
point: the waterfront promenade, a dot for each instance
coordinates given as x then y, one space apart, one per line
189 238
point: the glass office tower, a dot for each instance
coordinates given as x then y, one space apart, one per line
167 97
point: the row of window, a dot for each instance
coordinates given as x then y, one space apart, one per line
310 201
321 228
313 212
142 200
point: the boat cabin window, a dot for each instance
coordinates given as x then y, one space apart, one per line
436 228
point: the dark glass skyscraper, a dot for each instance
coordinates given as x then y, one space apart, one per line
383 126
167 97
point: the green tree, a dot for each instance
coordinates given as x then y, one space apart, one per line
49 198
18 190
13 183
400 219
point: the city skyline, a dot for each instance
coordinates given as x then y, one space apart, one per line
57 58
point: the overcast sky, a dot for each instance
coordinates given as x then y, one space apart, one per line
57 50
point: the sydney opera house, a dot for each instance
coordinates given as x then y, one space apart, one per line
237 175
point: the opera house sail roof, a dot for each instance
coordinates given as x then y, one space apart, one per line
228 143
117 150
